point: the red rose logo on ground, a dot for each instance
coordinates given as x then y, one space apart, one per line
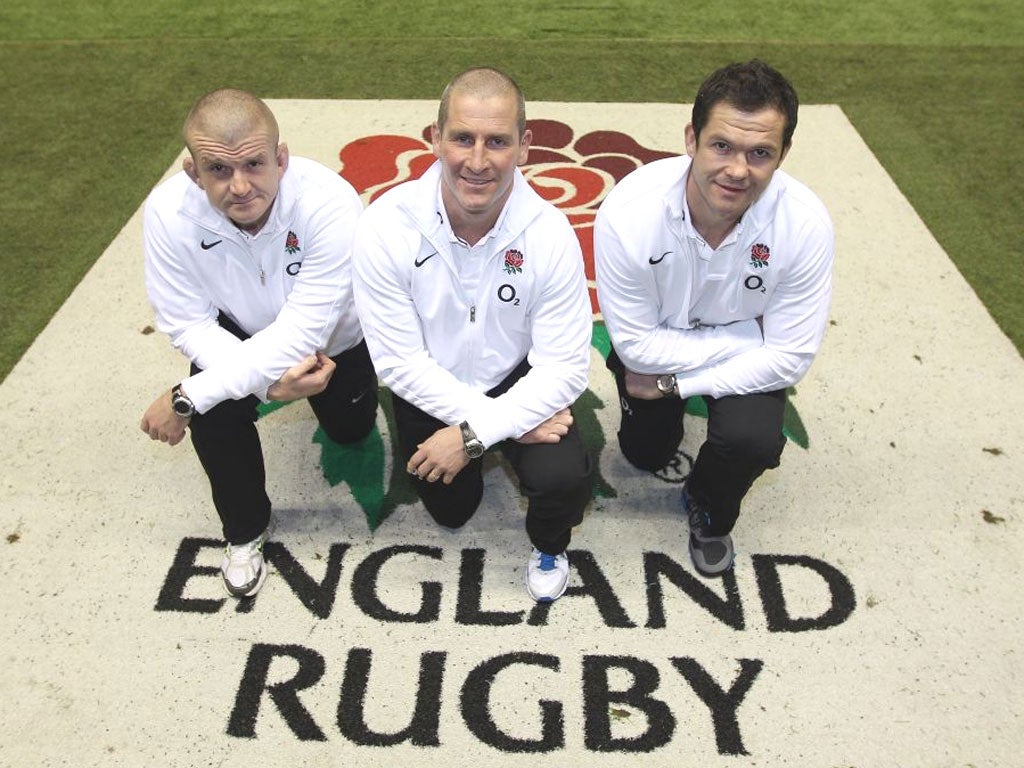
375 164
573 175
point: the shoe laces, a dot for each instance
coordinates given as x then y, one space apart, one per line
699 518
547 562
240 553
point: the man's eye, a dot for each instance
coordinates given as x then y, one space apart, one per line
720 146
761 154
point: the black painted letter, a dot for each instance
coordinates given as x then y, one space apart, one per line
284 694
318 598
364 587
471 579
476 706
172 593
723 704
422 729
774 601
656 565
597 701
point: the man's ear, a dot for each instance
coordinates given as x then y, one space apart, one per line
282 158
188 165
435 139
690 139
524 146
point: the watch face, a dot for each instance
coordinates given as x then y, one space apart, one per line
183 407
474 449
667 383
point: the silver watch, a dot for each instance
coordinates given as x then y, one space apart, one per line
181 403
667 385
474 448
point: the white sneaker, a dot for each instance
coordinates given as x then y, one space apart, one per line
243 568
547 576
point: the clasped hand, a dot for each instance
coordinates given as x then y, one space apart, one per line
308 377
440 457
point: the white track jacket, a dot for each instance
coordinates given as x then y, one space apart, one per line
440 346
674 305
289 286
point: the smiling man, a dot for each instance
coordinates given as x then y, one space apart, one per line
714 277
471 292
248 271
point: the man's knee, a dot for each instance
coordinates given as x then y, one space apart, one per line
650 432
647 456
761 448
747 429
355 423
449 510
349 432
563 470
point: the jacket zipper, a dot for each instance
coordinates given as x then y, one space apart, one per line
258 265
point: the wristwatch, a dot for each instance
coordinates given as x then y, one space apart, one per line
474 448
181 404
667 385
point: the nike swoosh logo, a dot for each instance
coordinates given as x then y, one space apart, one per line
358 397
421 262
207 246
653 260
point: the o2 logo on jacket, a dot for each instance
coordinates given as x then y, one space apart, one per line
507 294
293 268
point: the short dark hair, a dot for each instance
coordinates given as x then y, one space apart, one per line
748 86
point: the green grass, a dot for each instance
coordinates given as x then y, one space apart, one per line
95 95
912 22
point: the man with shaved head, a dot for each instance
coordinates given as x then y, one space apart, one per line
248 270
471 291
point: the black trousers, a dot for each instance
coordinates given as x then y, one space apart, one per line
228 445
744 439
555 478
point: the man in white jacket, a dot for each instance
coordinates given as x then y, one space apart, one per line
471 291
248 270
714 277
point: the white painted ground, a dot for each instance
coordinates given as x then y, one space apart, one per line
913 411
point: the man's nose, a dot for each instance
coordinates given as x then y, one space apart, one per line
478 157
738 168
239 184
